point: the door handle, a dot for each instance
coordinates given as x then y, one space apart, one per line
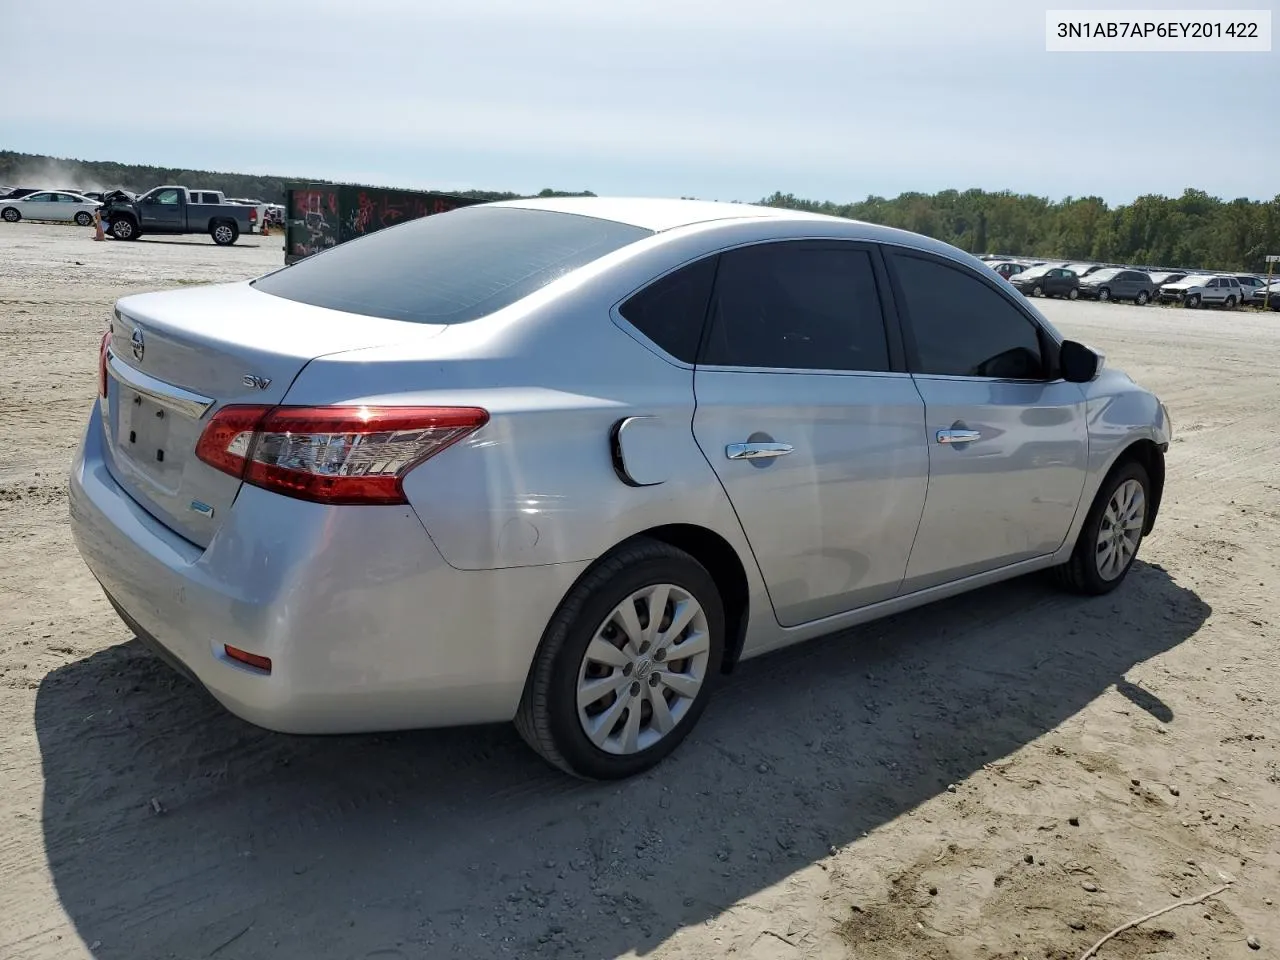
756 451
959 436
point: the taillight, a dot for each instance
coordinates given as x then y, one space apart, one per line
102 362
353 455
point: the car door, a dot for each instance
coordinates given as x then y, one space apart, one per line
1007 437
68 206
162 211
40 206
1126 285
811 423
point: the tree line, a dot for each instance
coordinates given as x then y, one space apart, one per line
1194 230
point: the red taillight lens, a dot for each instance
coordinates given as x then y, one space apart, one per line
102 362
354 455
245 657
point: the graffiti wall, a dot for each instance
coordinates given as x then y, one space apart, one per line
322 215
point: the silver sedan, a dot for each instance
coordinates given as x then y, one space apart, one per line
50 205
565 462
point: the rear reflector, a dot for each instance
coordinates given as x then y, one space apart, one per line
250 659
349 455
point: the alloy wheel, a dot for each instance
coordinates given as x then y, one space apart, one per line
643 669
1120 531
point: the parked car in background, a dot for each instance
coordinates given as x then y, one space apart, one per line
49 205
1265 296
1007 268
172 210
1118 283
1161 277
1248 284
1047 281
1203 290
16 193
348 479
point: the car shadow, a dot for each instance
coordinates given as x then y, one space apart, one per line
174 829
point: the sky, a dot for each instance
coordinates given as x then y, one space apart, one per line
718 99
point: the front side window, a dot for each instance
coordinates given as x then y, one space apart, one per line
961 327
168 197
798 306
41 198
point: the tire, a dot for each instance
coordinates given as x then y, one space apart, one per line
11 215
1231 303
550 719
123 228
1104 294
1142 299
1073 294
224 233
1192 301
84 219
1086 572
1037 291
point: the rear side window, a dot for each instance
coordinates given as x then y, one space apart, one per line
671 311
450 267
799 306
963 328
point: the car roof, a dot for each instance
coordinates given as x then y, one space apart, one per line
659 215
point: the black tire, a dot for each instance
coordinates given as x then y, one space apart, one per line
1073 293
11 215
1104 293
1142 299
224 232
84 219
1037 291
1080 574
1231 303
1192 301
123 228
548 715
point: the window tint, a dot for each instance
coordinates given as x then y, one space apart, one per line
797 306
671 311
166 197
962 327
41 197
450 267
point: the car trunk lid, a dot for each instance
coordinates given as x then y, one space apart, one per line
178 357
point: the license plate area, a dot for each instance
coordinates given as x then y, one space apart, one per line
144 430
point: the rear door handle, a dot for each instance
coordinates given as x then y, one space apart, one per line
959 436
756 451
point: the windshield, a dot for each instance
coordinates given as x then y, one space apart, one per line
1104 274
1197 281
1034 272
450 267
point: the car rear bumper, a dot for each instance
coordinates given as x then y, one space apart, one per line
366 625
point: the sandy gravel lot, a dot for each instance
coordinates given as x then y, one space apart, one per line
1006 775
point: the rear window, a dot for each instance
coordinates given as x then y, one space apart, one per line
450 267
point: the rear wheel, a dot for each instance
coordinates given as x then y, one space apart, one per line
224 234
11 215
1231 303
1073 294
626 665
1112 533
1142 298
84 219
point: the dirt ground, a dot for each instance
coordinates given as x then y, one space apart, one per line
1006 775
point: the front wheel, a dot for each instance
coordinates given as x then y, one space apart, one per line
1104 294
84 219
626 665
224 234
1037 291
1142 298
11 215
124 229
1073 294
1192 301
1112 532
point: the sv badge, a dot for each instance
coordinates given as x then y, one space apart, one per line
249 380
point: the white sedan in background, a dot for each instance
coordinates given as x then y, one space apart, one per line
50 205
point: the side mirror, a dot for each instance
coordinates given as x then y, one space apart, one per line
1078 363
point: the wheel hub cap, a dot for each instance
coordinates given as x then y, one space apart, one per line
643 669
1121 529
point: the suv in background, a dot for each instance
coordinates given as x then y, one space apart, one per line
1116 283
1249 285
1203 290
1047 281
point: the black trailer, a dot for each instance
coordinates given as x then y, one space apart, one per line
322 215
